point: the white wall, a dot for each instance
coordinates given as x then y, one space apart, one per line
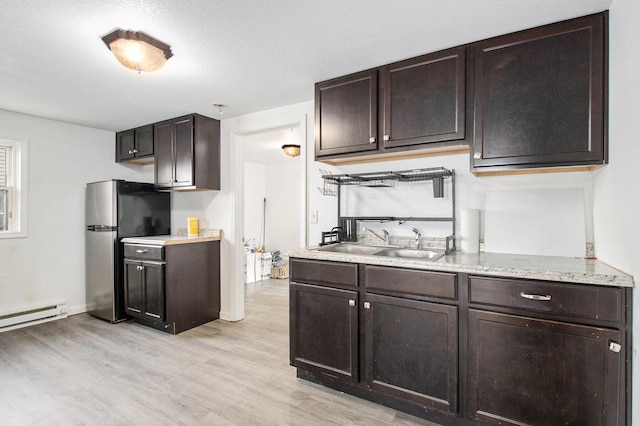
417 200
616 193
255 191
48 265
279 185
284 195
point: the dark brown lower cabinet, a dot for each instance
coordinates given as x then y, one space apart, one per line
172 288
412 350
324 330
144 289
461 349
539 372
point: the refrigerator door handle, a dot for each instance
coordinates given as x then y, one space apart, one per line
101 228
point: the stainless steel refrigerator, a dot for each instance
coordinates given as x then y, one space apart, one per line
115 209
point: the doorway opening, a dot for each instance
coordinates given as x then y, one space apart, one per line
272 190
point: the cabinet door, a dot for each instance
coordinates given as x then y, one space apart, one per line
539 97
324 330
537 372
125 145
163 147
346 114
424 99
184 152
133 287
412 350
154 290
144 141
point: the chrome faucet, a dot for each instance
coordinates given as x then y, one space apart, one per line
418 236
386 237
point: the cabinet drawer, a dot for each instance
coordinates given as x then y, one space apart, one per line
324 272
411 281
143 252
586 301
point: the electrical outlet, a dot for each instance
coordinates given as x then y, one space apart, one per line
314 216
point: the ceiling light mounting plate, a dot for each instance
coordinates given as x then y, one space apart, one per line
220 107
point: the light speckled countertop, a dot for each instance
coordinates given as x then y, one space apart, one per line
167 240
550 268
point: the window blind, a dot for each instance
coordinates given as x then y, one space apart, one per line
3 166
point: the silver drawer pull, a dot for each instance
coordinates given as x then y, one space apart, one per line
615 347
142 251
535 296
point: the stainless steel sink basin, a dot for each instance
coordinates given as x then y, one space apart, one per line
350 248
431 255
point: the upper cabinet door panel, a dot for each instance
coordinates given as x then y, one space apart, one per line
346 114
163 140
144 141
184 152
539 96
424 99
125 144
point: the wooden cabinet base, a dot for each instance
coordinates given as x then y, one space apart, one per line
184 296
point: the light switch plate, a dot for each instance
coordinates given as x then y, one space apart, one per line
314 216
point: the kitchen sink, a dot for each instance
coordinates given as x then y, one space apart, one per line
389 251
351 248
411 253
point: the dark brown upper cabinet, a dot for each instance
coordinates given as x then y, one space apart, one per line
135 145
187 153
423 99
408 105
346 114
540 97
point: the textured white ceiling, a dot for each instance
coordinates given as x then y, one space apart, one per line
251 55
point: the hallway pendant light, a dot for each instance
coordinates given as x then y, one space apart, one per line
137 50
291 150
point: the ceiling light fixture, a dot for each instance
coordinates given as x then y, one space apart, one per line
219 106
291 150
137 50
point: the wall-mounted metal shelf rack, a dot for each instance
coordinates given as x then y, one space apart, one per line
437 175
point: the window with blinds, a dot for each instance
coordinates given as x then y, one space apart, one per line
13 188
4 190
3 165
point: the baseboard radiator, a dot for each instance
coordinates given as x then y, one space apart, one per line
33 316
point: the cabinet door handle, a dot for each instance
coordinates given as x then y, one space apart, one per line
141 251
135 151
386 137
615 347
130 152
352 302
372 139
367 305
535 296
140 268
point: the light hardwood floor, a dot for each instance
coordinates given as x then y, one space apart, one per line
84 371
